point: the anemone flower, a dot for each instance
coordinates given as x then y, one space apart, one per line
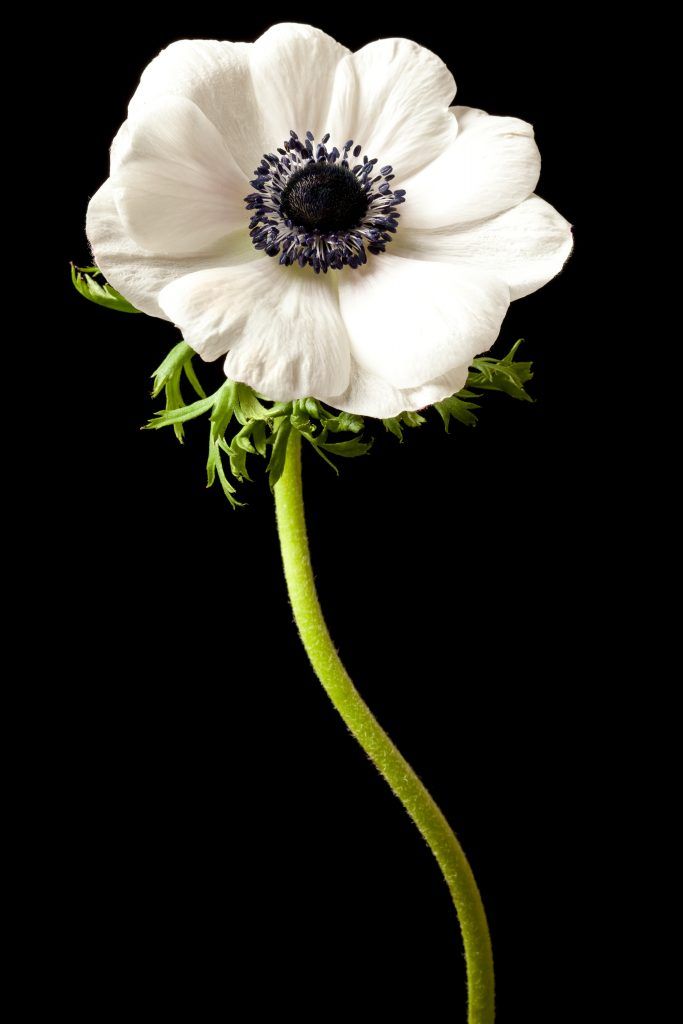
325 220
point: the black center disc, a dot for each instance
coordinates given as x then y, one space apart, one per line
324 197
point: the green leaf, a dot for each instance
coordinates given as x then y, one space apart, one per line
506 375
350 449
224 403
239 449
413 419
258 437
278 455
458 408
510 357
278 409
345 421
228 490
171 367
393 425
302 423
83 279
243 424
167 378
249 406
192 377
214 456
243 439
215 467
312 407
166 418
238 463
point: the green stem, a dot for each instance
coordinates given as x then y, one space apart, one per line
375 742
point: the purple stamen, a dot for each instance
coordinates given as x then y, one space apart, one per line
312 208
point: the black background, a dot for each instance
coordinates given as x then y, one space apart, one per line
219 835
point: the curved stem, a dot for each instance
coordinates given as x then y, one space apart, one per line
375 742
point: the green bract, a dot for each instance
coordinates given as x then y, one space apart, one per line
103 294
242 423
487 374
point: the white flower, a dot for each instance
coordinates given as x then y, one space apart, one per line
230 190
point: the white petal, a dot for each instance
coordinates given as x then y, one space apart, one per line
369 395
411 321
392 98
216 76
293 69
211 307
295 343
119 147
140 275
492 164
177 188
525 246
282 327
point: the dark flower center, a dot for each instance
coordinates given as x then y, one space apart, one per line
315 207
324 197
